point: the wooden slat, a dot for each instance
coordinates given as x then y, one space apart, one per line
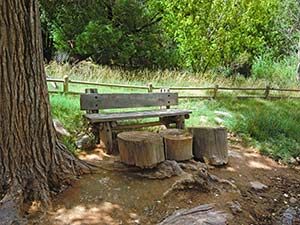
137 125
108 85
132 100
97 118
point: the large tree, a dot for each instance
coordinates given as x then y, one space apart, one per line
32 162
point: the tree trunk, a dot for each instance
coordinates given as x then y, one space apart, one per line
210 144
33 163
141 148
178 144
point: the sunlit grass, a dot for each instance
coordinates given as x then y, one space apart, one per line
273 126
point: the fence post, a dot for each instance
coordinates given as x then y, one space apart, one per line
150 88
267 92
215 91
66 84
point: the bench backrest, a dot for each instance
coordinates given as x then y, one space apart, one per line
94 101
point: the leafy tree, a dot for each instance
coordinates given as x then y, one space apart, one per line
121 32
209 33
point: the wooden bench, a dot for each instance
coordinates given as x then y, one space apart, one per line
107 123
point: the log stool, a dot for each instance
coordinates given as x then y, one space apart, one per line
141 148
178 144
210 144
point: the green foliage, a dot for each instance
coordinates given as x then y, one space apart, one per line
205 35
121 32
217 33
281 71
66 110
272 126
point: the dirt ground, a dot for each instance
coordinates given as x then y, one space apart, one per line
117 196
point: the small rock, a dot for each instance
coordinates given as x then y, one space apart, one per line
225 114
235 207
133 216
166 169
298 159
60 129
85 142
286 195
218 120
291 216
293 200
258 186
203 119
203 214
293 161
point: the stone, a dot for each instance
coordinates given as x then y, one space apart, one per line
293 161
291 216
166 169
293 200
61 131
85 142
218 120
235 207
200 215
256 185
203 119
224 114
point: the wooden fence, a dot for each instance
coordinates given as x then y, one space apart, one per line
215 92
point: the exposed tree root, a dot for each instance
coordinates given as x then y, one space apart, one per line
203 181
35 184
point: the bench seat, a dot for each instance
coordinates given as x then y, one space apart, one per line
99 118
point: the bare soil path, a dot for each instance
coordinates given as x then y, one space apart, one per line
117 196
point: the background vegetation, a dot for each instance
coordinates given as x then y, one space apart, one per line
272 126
184 43
223 36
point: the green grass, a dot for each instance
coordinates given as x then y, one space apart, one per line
66 109
272 126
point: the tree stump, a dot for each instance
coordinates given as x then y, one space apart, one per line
178 144
141 148
210 144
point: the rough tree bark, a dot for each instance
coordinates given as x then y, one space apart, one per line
32 162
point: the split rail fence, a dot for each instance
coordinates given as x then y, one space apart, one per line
217 91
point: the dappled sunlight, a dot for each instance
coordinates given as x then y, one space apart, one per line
98 154
82 214
258 165
231 169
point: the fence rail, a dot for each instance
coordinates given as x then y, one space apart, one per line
215 91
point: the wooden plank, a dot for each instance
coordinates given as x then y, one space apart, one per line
54 80
108 84
242 88
132 100
137 125
96 118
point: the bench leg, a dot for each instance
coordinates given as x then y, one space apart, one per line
180 122
166 121
95 129
106 137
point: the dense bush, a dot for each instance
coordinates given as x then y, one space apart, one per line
121 32
230 34
192 35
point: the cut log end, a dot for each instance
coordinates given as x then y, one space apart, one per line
141 148
178 144
210 144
